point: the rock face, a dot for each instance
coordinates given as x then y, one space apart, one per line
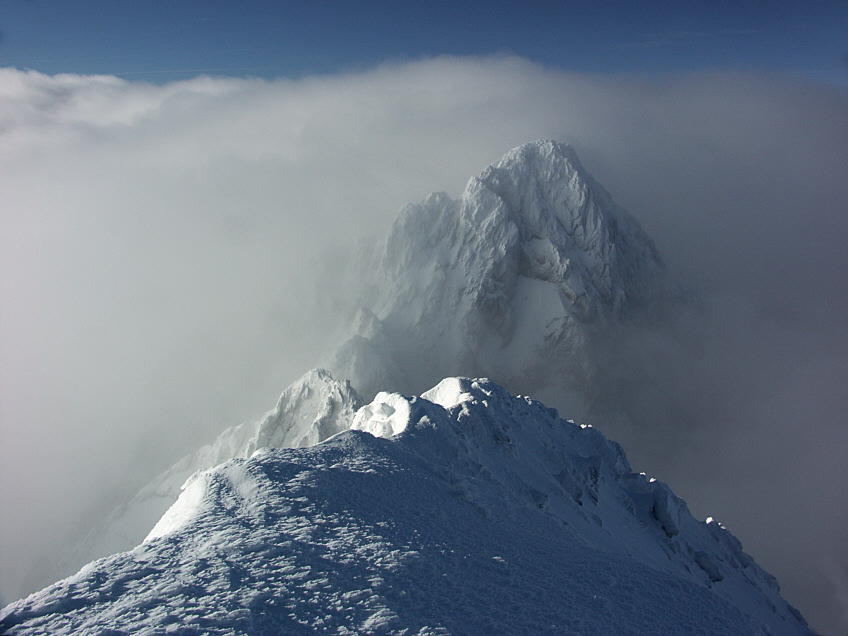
464 510
518 280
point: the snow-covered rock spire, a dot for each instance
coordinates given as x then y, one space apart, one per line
515 280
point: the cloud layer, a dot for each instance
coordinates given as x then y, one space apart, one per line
168 257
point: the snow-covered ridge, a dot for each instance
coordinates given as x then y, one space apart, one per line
463 510
313 408
572 472
518 280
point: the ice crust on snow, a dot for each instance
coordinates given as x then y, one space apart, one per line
464 510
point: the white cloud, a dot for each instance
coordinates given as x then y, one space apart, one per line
163 248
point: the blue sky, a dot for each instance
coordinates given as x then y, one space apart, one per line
163 40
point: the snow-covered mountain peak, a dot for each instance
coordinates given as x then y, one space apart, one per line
541 183
309 411
537 213
570 232
518 274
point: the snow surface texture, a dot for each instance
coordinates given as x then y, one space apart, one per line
312 409
517 280
466 510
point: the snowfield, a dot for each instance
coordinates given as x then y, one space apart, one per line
465 510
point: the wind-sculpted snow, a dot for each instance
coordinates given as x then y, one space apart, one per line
312 409
515 280
471 511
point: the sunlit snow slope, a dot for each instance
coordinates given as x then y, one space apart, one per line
312 409
465 510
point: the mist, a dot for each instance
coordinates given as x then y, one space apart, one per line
171 260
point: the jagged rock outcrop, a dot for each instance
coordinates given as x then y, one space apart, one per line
520 279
